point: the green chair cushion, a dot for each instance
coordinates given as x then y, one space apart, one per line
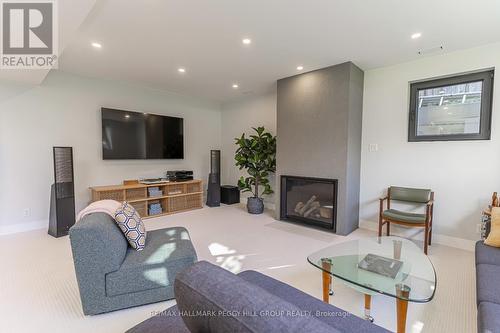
397 215
410 194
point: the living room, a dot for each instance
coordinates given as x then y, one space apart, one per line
371 130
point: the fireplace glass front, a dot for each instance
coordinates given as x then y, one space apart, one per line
309 200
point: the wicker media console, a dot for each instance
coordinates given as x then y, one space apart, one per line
176 196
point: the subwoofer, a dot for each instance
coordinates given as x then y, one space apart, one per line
213 192
62 199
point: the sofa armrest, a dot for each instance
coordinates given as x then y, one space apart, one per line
98 243
236 305
487 254
98 247
342 320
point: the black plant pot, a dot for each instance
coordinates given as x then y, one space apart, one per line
255 205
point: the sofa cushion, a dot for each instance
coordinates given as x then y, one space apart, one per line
167 252
131 225
487 254
218 301
488 318
341 320
487 277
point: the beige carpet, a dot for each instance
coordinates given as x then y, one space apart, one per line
39 293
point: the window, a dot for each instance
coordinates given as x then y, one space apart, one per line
453 108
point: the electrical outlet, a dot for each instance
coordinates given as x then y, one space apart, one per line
373 147
26 212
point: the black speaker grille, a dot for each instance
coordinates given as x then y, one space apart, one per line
215 161
63 172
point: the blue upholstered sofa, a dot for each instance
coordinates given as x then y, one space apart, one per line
211 299
487 288
112 276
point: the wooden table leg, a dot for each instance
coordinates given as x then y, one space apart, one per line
368 306
327 279
402 293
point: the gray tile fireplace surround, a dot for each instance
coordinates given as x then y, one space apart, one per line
319 133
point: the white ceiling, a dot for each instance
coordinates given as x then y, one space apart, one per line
146 41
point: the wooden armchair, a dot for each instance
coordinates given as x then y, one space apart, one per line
409 195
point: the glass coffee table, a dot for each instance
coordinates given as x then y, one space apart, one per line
391 266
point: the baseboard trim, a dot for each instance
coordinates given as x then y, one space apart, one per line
459 243
23 227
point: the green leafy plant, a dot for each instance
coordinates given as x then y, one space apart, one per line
256 154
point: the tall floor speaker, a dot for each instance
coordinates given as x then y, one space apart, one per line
62 198
213 194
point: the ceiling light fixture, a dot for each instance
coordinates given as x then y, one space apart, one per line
416 35
247 41
235 86
96 45
181 70
299 68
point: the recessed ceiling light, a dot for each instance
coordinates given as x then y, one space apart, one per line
235 86
247 41
299 68
96 45
416 35
181 70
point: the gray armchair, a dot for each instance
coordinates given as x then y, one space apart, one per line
112 276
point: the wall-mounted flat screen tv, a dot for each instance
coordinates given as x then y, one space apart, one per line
139 135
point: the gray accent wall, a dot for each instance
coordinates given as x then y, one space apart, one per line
319 116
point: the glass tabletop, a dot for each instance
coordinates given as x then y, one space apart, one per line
391 266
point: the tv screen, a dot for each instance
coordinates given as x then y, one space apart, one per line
137 135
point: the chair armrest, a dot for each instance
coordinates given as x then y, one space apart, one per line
381 205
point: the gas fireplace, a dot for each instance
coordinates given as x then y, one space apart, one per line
309 200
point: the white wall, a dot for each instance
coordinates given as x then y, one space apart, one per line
463 174
239 117
65 111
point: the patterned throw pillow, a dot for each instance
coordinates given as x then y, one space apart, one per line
131 225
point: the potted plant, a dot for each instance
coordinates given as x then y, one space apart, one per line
256 154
